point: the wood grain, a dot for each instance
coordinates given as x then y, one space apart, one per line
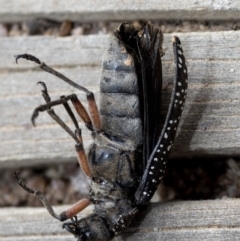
210 122
89 11
186 220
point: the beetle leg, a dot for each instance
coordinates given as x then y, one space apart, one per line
82 158
48 69
62 101
69 213
94 113
79 108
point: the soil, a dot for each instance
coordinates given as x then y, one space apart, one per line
66 28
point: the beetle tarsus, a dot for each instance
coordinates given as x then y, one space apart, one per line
45 94
22 183
28 57
34 116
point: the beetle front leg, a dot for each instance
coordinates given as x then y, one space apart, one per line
69 213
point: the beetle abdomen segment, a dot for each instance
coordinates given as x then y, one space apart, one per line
123 129
119 98
127 82
118 72
127 105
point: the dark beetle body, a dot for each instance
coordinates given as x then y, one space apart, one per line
116 157
112 157
129 154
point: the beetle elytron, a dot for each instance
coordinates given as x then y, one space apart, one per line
127 160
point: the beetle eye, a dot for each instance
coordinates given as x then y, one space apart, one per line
86 236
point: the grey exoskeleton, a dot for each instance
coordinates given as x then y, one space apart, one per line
129 154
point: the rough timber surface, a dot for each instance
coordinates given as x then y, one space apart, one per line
210 122
91 10
193 220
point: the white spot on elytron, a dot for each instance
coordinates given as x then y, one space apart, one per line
155 159
177 94
180 60
165 135
161 159
152 167
150 173
153 180
180 102
180 52
164 163
164 153
184 97
170 121
175 121
144 193
169 147
158 150
182 91
168 128
180 66
148 195
185 71
179 83
160 178
176 101
175 128
161 145
186 80
170 142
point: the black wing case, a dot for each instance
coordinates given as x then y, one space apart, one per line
149 52
157 161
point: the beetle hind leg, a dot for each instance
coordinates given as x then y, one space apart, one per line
94 113
69 213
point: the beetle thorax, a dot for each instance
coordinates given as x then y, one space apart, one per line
112 203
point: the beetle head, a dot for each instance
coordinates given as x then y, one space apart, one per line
89 229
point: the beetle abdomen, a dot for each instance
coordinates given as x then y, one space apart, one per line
119 99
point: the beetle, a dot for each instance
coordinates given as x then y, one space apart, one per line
128 157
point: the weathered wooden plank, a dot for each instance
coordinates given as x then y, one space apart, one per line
210 123
89 50
198 220
88 11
